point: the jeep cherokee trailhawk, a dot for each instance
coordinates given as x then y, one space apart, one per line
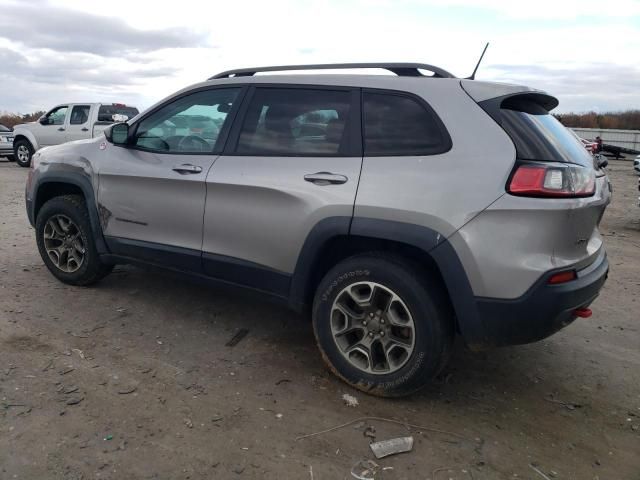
396 209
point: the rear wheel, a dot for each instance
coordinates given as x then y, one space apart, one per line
65 241
382 325
23 151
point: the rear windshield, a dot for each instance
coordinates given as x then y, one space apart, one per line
537 135
106 113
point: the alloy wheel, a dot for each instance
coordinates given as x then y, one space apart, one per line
63 243
372 328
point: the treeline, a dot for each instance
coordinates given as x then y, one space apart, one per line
13 119
627 120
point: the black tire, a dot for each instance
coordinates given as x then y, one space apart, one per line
24 162
427 303
92 269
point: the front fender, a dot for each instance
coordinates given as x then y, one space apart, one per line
21 132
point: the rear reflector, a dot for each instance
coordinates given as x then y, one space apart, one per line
554 180
562 277
582 312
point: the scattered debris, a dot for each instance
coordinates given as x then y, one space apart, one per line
537 470
350 400
48 366
283 380
370 432
127 391
74 400
188 423
381 419
567 405
279 415
108 437
392 446
240 334
70 390
79 352
365 470
66 370
217 418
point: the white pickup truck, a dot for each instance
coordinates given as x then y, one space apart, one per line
65 123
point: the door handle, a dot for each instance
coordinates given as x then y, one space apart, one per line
187 168
85 129
325 178
61 129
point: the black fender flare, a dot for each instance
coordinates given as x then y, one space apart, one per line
426 239
84 184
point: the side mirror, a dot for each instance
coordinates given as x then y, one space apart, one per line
43 120
118 134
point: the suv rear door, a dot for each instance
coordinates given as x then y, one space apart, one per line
293 159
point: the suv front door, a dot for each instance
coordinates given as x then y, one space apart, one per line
292 160
152 191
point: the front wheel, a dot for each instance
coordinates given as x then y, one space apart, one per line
382 325
65 241
23 151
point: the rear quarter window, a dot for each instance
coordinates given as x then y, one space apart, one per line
537 135
396 124
106 112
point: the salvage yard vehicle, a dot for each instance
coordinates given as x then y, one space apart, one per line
65 123
396 210
6 142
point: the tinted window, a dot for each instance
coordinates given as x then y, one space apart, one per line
106 113
79 114
399 125
296 122
537 135
190 124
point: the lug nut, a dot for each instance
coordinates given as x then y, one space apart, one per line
371 314
382 321
364 322
382 333
371 334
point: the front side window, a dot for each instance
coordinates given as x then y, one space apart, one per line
399 125
190 124
79 114
296 122
57 116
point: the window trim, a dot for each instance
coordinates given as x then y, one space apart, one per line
446 145
223 136
354 148
55 109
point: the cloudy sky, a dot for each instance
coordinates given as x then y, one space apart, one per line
586 52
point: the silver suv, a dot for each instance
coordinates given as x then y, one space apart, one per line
396 210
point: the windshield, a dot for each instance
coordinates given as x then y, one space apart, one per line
537 134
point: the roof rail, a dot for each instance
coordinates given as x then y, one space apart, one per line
400 69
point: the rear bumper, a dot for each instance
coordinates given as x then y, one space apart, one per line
543 309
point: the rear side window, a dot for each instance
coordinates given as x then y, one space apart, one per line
397 125
296 122
537 135
106 113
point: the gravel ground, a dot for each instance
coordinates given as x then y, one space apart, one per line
132 379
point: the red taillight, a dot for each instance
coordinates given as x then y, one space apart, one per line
562 277
560 181
583 312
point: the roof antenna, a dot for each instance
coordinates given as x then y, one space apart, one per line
473 75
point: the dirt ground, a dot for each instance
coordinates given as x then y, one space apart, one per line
131 379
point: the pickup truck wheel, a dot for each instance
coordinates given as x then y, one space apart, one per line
23 151
382 325
65 241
